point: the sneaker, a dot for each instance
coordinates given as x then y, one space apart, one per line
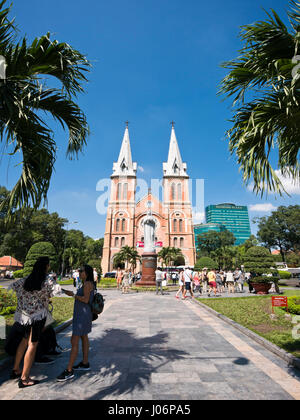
65 376
82 366
44 361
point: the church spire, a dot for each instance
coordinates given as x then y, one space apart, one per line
125 166
174 166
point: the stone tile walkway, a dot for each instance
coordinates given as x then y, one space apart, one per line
146 347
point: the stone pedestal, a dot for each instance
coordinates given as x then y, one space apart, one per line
149 265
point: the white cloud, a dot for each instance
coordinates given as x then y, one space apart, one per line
141 169
198 217
267 207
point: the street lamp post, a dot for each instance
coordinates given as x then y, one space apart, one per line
66 235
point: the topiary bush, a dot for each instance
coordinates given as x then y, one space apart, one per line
205 262
259 261
294 305
284 275
40 249
19 274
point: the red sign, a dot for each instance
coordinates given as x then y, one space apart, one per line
279 301
140 244
159 244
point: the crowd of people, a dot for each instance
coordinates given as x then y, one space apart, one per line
211 282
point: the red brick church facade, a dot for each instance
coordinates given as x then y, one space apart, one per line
125 216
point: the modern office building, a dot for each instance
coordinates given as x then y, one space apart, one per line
207 227
234 218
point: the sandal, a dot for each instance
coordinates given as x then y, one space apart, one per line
25 383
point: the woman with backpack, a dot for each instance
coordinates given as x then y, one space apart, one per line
33 294
82 323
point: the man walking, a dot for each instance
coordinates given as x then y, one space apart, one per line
159 276
188 280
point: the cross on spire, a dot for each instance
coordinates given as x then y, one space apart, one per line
172 123
127 123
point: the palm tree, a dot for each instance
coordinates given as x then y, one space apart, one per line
169 254
266 70
24 94
128 255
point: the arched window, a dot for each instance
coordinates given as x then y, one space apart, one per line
123 242
175 225
119 190
123 225
179 191
118 225
180 225
125 192
175 242
173 191
181 242
116 242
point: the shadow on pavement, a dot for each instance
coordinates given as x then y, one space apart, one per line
127 362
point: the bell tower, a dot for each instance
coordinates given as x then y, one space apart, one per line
177 202
119 230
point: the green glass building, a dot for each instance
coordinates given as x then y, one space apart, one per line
234 218
207 227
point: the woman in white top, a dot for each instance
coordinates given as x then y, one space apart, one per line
181 284
33 294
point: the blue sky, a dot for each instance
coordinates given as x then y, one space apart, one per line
153 62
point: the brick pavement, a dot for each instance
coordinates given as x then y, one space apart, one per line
146 347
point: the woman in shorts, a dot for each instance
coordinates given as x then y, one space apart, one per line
33 294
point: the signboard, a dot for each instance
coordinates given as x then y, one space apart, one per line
140 244
279 302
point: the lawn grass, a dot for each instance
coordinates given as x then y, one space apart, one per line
62 311
254 314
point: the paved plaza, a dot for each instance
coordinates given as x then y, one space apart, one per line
146 347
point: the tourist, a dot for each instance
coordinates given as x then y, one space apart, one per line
212 282
181 284
230 281
188 280
119 277
204 280
125 281
95 276
197 284
33 294
82 323
159 277
219 281
236 276
174 278
240 281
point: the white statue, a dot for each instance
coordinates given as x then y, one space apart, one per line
149 233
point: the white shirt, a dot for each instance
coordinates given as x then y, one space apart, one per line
188 276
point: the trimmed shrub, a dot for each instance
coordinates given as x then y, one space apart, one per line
294 305
40 249
284 275
206 262
259 261
19 274
8 302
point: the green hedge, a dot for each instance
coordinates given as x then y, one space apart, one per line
284 275
19 274
294 305
8 302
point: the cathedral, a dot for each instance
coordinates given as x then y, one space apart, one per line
173 215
